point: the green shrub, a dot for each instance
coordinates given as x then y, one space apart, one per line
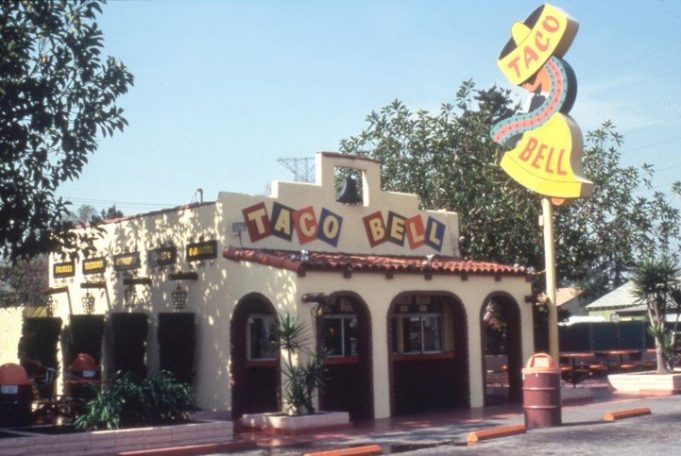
126 403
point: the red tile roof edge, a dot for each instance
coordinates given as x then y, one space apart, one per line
354 262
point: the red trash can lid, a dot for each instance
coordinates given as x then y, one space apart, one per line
13 374
541 363
84 362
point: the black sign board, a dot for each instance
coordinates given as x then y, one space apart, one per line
202 251
67 269
162 256
94 265
126 261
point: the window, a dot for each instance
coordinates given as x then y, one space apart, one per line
262 337
339 335
421 333
417 324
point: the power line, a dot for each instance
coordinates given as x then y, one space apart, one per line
652 145
116 202
633 58
657 124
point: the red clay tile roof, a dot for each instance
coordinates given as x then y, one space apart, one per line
355 262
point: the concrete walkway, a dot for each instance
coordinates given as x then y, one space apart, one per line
583 432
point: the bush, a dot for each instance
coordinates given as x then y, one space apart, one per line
126 403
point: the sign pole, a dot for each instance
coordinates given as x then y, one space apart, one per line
550 261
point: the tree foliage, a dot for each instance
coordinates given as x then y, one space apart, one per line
450 161
57 93
656 284
23 283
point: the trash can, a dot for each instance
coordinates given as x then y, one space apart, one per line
16 396
541 392
84 377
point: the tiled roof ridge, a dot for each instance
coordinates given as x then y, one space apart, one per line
302 260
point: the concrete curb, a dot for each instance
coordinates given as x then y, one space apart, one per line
495 432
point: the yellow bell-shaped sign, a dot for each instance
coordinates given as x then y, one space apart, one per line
546 143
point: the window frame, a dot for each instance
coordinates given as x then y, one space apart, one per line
422 316
249 339
342 317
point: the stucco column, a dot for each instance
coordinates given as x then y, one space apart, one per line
475 379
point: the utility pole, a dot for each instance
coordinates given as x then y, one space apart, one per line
301 167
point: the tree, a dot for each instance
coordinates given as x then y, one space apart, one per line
656 284
23 283
450 161
56 95
84 215
111 213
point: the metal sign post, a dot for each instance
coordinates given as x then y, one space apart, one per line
550 261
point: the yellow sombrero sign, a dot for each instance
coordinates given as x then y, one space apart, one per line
545 143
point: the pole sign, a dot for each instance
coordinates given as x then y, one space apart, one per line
545 143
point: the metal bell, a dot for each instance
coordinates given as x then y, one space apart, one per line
349 193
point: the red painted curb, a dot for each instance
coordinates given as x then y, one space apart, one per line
627 413
495 432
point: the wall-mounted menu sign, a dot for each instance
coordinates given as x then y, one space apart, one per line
94 265
202 251
126 261
67 269
163 256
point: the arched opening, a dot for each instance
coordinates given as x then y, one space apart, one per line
428 343
344 331
255 357
501 348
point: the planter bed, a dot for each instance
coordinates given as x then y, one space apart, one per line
279 422
647 383
115 441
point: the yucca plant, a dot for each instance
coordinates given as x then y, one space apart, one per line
301 378
656 284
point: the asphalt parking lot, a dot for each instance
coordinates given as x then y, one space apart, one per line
583 433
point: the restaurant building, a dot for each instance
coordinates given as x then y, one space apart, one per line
380 283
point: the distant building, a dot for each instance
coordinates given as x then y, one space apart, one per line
618 305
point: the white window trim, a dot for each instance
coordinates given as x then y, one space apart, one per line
342 318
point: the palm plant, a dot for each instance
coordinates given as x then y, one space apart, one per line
656 284
301 378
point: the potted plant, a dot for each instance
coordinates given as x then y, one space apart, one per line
303 373
302 378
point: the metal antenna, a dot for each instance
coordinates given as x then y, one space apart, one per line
301 167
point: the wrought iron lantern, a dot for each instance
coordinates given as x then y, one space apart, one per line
49 306
130 296
88 302
179 297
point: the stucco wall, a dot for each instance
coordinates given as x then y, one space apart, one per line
222 283
10 332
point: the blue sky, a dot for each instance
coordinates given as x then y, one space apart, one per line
223 89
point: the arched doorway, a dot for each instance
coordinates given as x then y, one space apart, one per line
502 350
344 331
255 357
428 343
